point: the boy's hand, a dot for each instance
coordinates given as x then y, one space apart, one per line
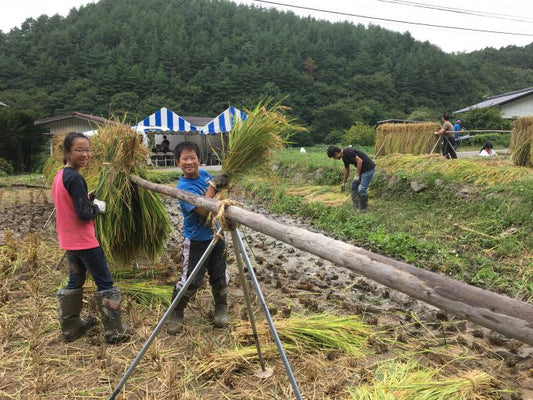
220 182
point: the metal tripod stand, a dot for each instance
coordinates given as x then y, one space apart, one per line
241 254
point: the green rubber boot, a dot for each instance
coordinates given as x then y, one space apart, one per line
69 305
175 321
220 295
109 305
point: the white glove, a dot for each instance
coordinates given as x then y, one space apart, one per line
356 178
101 205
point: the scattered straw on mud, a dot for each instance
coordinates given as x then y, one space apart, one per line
209 363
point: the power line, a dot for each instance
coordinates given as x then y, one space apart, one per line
483 14
391 20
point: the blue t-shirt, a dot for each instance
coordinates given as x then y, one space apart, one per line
194 225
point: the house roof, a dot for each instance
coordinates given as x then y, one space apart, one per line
500 99
76 115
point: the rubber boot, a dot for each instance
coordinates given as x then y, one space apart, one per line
175 321
355 199
69 305
109 305
220 295
363 198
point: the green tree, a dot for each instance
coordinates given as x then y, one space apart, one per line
485 118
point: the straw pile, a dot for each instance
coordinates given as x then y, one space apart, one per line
521 146
406 138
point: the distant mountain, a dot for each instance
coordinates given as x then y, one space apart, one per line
197 56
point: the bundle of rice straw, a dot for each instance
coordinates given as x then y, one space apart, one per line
521 146
136 223
251 143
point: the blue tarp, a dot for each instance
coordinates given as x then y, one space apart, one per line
224 121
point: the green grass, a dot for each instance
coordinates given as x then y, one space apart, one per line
482 236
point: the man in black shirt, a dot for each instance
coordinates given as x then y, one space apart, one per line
365 169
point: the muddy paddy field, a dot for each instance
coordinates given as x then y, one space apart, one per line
397 333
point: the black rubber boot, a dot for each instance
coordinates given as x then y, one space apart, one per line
175 321
355 199
363 198
109 305
220 295
69 305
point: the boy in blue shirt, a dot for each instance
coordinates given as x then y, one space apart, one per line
198 236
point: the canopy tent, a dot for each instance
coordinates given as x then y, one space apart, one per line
209 137
224 121
165 120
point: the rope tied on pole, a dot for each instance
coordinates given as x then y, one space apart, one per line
220 217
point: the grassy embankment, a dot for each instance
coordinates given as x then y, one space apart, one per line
473 221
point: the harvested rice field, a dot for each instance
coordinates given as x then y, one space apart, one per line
345 336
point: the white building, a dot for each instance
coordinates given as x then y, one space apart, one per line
512 105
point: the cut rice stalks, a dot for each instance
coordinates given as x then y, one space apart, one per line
251 142
521 146
317 332
397 379
136 223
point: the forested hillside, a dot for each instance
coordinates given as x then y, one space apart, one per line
196 56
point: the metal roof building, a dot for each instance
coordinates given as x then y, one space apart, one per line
512 105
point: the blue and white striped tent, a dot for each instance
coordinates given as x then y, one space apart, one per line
225 121
165 120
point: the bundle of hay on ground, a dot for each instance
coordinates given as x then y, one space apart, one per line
135 224
521 147
416 138
252 142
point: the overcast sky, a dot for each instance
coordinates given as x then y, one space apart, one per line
504 16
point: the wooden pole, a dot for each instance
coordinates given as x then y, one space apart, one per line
502 314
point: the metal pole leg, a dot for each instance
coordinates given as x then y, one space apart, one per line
247 298
267 315
176 300
433 149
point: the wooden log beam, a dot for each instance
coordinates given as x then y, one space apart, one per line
502 314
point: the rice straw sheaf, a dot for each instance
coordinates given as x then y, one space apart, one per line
397 379
521 146
319 332
251 143
136 223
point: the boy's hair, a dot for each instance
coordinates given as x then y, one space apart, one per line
446 116
186 146
67 143
332 150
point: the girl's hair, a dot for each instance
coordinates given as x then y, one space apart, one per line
67 143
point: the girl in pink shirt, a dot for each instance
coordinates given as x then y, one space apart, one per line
75 214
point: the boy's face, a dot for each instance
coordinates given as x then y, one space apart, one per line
189 164
337 155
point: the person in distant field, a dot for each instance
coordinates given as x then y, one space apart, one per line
456 128
486 150
76 210
165 144
198 236
447 133
364 171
